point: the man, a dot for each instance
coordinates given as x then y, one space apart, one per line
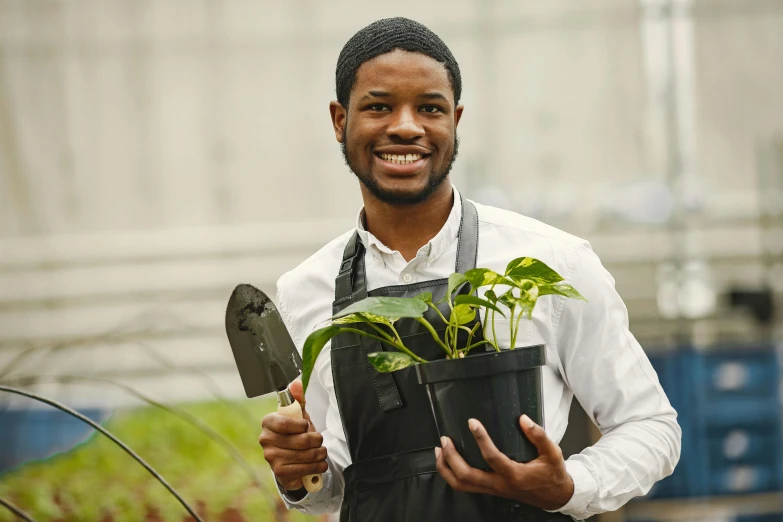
372 435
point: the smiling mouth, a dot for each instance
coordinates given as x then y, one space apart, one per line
401 159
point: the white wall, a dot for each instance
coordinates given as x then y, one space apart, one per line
155 153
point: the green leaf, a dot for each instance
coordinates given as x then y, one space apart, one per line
533 269
526 301
389 307
357 318
424 296
312 347
528 289
563 289
385 362
508 299
477 301
462 314
491 296
483 277
456 280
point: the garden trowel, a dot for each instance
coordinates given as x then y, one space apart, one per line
265 354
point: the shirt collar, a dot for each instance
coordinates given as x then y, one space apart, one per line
439 244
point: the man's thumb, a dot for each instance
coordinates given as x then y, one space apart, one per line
297 391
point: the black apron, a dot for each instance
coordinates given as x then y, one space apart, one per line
387 417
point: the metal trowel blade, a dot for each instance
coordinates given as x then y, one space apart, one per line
264 352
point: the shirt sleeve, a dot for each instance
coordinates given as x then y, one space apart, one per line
321 405
327 500
612 378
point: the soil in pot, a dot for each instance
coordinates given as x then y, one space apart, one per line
495 388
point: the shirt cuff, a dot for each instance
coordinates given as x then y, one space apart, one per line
319 497
585 490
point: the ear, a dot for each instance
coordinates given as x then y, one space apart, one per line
339 116
457 115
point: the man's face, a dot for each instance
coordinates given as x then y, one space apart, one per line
399 133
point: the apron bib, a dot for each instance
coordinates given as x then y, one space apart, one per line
387 418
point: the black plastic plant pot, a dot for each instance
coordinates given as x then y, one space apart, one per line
494 387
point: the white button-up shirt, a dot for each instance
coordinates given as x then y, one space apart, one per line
591 354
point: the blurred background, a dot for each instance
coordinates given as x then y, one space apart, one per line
155 153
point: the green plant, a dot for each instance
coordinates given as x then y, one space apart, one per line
94 480
516 290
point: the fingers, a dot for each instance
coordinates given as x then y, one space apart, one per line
290 465
290 484
496 460
457 473
291 450
539 438
288 457
306 417
297 390
290 476
297 471
284 432
303 441
285 425
448 475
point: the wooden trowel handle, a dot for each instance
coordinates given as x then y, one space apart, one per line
312 483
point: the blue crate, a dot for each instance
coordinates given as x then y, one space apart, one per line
718 394
734 391
669 366
740 410
738 444
738 372
37 434
666 364
674 486
744 478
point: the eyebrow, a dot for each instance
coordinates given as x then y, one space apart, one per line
384 94
434 96
376 94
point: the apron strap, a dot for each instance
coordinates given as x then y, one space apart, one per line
351 283
351 286
468 237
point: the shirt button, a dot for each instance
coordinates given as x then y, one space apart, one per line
407 278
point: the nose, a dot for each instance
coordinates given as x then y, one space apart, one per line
406 125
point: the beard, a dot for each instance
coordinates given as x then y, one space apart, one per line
434 179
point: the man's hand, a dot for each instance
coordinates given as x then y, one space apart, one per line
292 447
543 483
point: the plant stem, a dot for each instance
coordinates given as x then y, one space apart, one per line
396 333
378 329
398 345
516 329
479 344
463 327
438 312
473 332
434 334
513 330
494 334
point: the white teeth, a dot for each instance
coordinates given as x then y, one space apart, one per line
401 159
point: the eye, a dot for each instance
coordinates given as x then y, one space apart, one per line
431 109
378 107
